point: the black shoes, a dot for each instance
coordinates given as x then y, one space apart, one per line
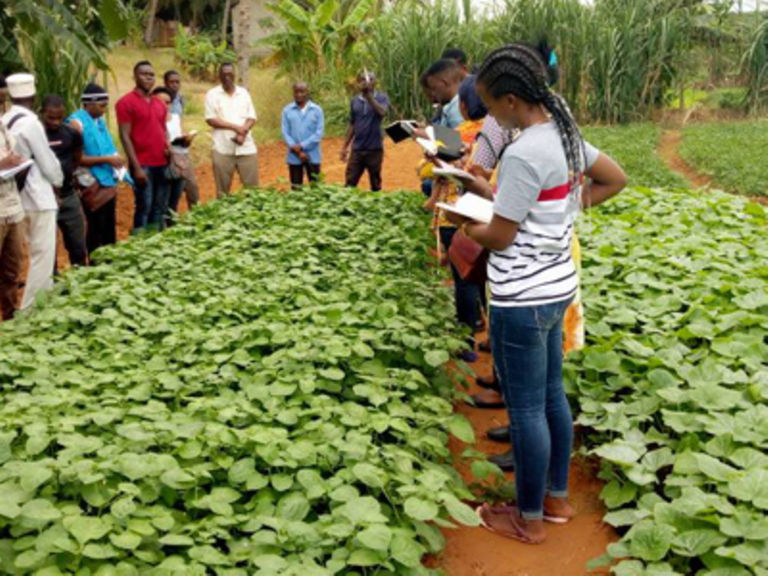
505 460
499 434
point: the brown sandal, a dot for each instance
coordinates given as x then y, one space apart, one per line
506 521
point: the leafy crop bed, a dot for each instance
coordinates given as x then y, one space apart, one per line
673 389
732 153
260 390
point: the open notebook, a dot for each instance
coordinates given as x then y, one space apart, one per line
472 206
11 172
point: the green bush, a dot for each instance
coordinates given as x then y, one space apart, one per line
200 55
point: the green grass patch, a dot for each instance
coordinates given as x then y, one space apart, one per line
732 154
633 146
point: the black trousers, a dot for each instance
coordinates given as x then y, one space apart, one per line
71 222
101 226
362 160
296 172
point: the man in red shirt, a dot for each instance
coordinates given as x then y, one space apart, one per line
141 118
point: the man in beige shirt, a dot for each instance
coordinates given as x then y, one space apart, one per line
229 111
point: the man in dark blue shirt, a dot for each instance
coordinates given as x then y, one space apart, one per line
367 110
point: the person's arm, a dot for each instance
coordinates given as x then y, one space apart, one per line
125 138
77 154
380 108
348 138
606 179
44 158
286 130
317 136
479 186
212 119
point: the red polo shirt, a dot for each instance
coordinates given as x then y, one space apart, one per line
147 119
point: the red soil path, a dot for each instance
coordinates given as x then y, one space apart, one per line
469 551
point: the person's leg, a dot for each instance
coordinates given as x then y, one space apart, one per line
558 411
41 243
223 170
248 169
296 175
143 202
466 294
313 173
10 268
374 162
161 188
355 168
191 188
72 224
175 187
519 338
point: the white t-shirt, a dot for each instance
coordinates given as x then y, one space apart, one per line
537 268
235 108
173 128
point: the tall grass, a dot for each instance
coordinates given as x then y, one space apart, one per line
566 26
619 58
755 64
637 52
410 36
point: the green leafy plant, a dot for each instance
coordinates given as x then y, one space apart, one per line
200 55
256 391
755 65
672 388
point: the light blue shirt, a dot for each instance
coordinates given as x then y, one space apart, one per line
305 128
97 141
451 115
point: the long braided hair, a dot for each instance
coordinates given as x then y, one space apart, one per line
518 69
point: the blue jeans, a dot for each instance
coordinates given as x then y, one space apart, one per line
527 345
151 199
469 296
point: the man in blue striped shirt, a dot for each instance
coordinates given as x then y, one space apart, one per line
302 125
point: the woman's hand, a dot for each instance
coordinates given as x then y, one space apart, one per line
456 219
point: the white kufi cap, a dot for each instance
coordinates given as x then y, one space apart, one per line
21 85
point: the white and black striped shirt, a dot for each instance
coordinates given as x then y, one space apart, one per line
533 190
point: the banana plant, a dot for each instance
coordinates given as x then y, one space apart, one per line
317 35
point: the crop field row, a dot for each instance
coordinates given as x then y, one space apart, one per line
260 390
672 389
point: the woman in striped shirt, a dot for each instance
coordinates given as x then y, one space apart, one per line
533 278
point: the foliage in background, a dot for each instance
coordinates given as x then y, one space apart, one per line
732 153
634 146
55 40
619 58
755 65
200 55
319 38
230 397
407 38
635 55
566 26
673 385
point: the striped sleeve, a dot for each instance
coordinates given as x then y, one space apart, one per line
519 187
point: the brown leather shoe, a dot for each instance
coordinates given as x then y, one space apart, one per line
557 510
507 521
